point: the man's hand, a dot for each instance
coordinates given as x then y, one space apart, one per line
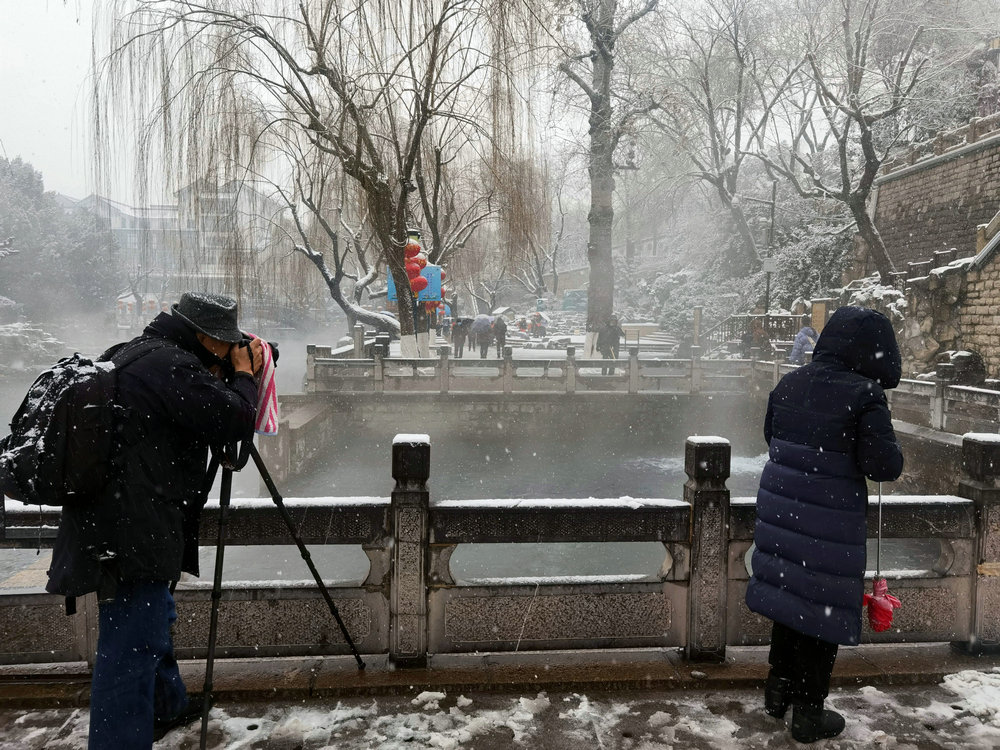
247 358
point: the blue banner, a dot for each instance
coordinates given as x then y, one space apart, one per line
430 293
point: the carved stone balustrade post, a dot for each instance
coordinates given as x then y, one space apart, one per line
697 370
633 369
411 461
981 483
939 401
508 369
310 384
358 335
445 371
570 369
706 462
379 370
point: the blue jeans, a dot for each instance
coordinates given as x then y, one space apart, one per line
135 674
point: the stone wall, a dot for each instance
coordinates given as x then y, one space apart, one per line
933 197
979 315
954 307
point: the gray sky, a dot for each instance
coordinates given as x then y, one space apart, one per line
44 65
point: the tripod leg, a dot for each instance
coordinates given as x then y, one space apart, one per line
213 469
225 491
265 475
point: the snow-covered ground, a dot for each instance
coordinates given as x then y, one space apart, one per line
963 712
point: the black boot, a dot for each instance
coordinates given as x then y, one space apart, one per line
777 695
811 722
190 714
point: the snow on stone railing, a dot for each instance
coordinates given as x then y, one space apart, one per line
564 373
411 604
945 142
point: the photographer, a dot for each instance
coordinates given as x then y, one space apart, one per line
193 387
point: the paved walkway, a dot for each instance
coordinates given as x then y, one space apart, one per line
893 697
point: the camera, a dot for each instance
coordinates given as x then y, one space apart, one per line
245 342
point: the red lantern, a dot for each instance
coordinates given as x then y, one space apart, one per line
412 270
430 306
443 275
418 283
420 261
411 249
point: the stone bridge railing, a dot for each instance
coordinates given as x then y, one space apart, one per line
327 370
938 405
411 604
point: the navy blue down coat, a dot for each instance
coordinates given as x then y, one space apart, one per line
827 427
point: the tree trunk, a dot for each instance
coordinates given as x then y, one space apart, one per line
600 296
873 240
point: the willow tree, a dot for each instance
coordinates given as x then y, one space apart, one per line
369 86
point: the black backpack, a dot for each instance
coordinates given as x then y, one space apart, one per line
63 447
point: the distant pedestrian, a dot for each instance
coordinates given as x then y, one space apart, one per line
499 329
458 334
609 342
805 342
827 427
479 334
483 338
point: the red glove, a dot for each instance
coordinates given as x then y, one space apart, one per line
880 605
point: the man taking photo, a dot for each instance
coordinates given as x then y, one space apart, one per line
192 388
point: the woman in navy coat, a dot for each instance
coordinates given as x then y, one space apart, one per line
827 427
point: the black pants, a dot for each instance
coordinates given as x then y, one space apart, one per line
607 353
806 661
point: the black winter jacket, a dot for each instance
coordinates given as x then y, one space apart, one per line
144 527
828 427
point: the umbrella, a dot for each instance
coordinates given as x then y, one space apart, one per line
880 602
481 324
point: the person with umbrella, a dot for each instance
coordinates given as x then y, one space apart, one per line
827 427
480 331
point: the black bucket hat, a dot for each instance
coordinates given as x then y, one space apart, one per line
211 314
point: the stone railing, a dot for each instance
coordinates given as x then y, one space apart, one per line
326 372
946 143
937 405
411 604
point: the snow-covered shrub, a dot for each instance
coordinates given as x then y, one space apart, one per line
809 267
870 292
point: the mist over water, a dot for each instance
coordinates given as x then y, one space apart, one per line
495 467
498 468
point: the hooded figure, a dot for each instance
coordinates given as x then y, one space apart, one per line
805 343
827 427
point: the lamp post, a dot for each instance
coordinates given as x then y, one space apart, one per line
770 265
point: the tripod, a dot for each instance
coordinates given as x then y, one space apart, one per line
231 461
